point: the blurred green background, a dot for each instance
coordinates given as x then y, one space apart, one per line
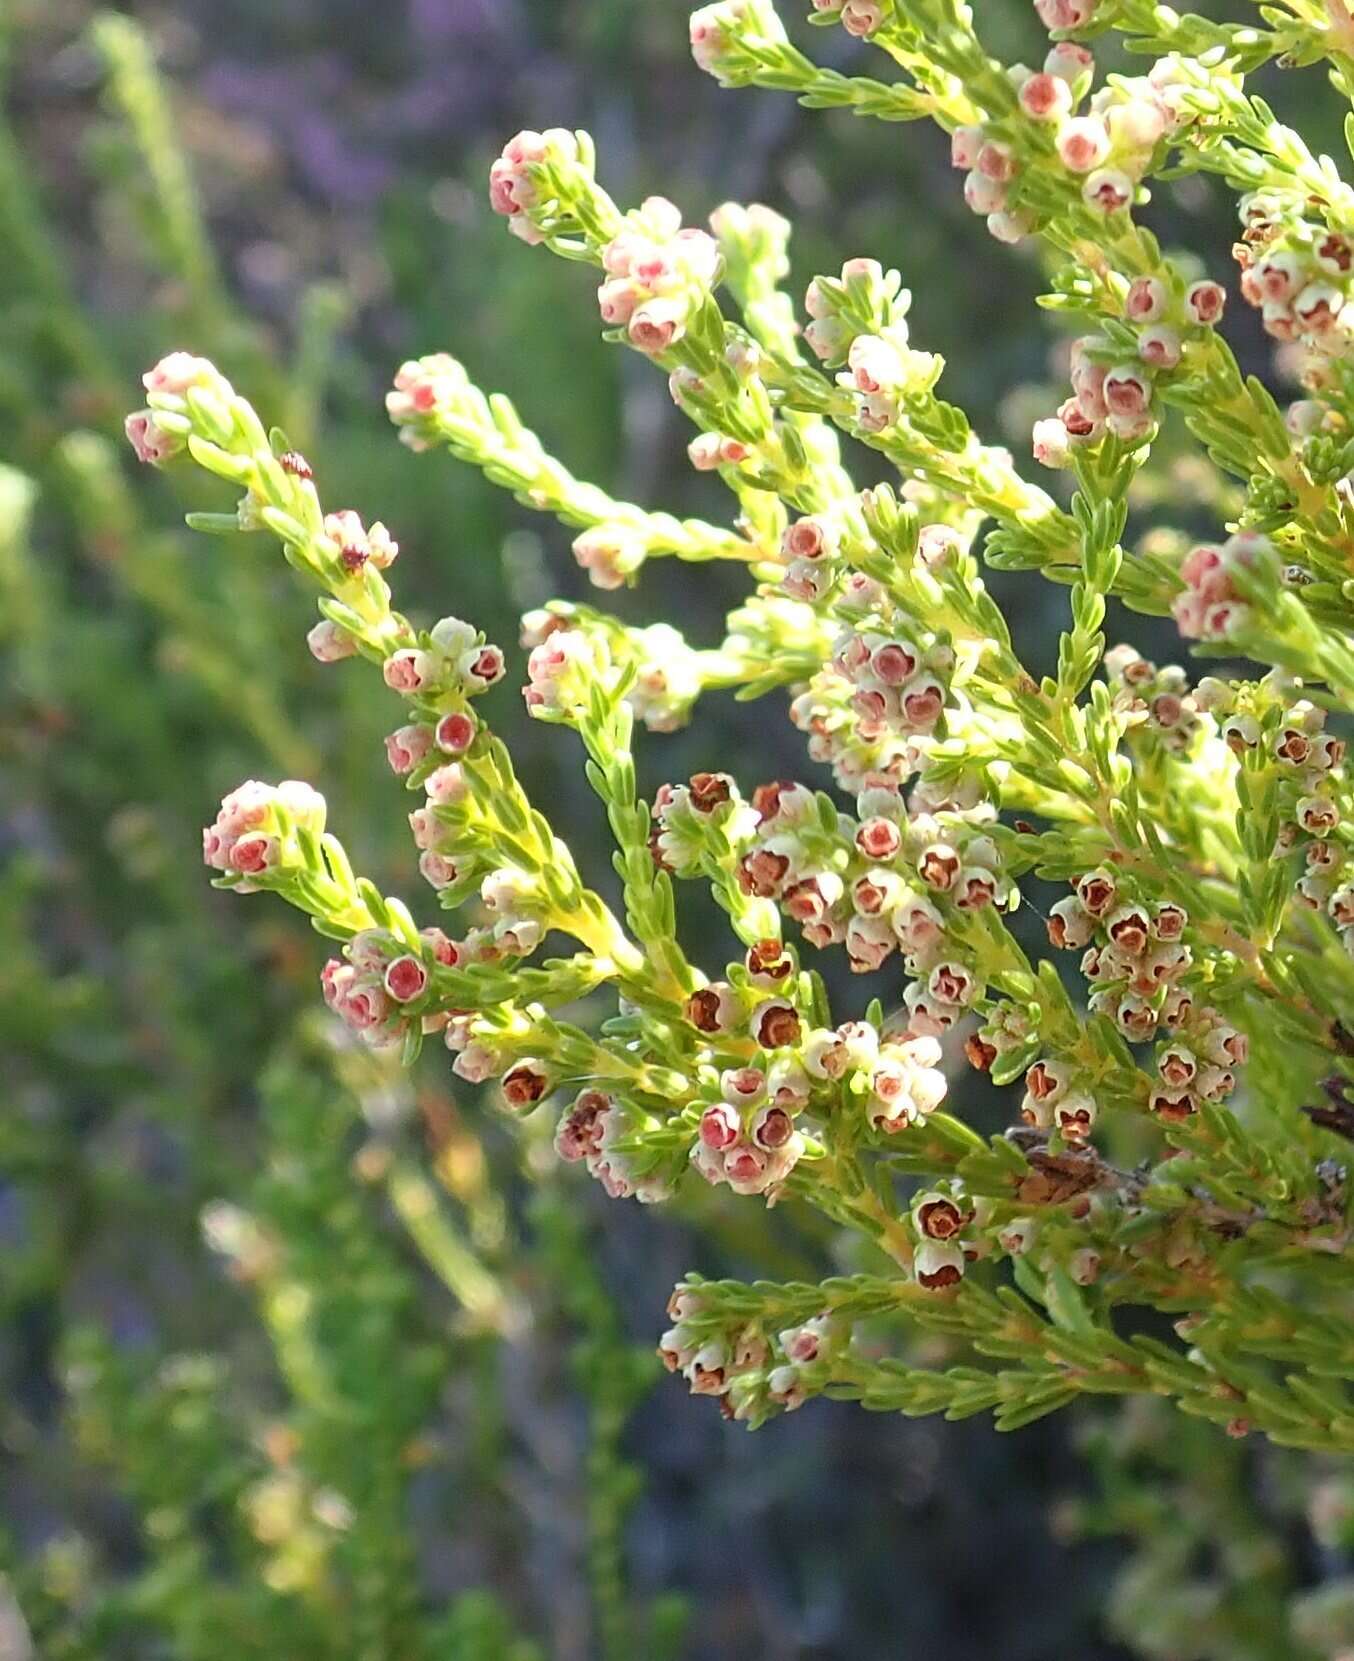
300 1359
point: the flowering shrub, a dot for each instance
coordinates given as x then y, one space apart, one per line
1185 1095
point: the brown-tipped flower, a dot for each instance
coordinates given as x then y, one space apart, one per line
938 866
712 1009
1097 891
1130 929
938 1216
776 1024
980 1053
938 1265
709 791
768 960
526 1083
1172 1106
1074 1115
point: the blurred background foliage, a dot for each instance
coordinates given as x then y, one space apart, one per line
301 1358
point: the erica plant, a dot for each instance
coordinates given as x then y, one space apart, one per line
1185 1046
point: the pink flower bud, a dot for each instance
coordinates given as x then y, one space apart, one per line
329 643
879 839
1146 300
965 146
1136 124
255 853
443 949
178 372
406 979
783 802
895 661
455 733
997 161
409 671
917 924
436 869
1058 15
806 581
810 538
1069 62
1279 276
826 337
1083 143
938 1216
923 703
938 866
1130 929
616 301
744 1165
481 667
874 364
1009 227
951 983
776 1024
975 889
1097 892
703 452
938 1265
152 446
657 325
1080 427
984 195
525 1084
1204 302
1127 391
1160 347
1108 190
720 1127
862 17
407 747
447 786
1074 1115
1070 925
709 35
1045 97
1051 443
869 943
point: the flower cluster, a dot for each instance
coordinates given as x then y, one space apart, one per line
1160 699
947 1223
157 440
884 881
748 1369
1044 139
590 1131
381 987
1135 954
1298 273
748 1137
257 830
519 180
1212 605
656 272
1116 393
1281 741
